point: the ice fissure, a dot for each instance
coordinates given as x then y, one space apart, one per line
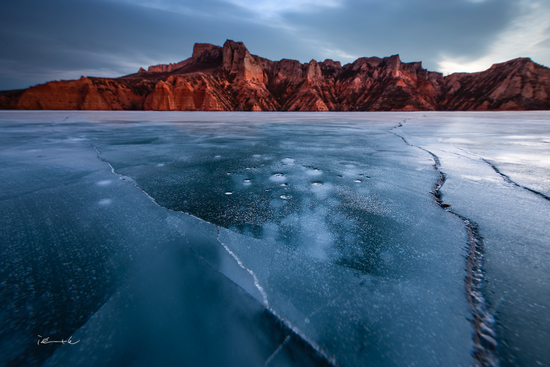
483 322
272 356
509 180
325 357
241 265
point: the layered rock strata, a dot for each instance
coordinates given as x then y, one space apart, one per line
229 78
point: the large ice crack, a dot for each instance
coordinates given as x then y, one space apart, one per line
483 322
509 180
294 330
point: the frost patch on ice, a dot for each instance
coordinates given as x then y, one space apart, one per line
276 203
176 223
321 191
480 178
104 182
314 172
105 201
270 231
76 139
387 257
288 161
315 237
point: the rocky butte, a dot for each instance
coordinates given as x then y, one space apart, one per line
229 78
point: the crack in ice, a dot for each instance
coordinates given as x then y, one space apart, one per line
268 361
256 282
509 180
483 322
288 324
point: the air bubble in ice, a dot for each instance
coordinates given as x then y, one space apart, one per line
228 193
340 176
104 182
160 165
285 197
357 181
317 183
284 184
278 177
104 201
217 156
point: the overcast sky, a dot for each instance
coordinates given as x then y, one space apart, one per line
44 40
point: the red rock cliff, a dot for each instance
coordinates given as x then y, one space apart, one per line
229 78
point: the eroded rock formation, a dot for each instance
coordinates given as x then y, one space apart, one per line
229 78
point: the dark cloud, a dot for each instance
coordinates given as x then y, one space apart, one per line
417 30
45 40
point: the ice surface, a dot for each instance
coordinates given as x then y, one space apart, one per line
514 221
309 239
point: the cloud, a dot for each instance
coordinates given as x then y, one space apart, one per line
417 30
270 9
75 37
69 38
527 35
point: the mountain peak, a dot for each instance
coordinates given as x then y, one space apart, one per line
229 78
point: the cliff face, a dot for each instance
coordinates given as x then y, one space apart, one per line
229 78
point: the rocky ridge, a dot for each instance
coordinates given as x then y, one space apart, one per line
229 78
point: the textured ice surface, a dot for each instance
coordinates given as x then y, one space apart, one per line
514 221
318 240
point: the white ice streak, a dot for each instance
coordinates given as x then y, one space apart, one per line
105 201
123 178
268 361
256 282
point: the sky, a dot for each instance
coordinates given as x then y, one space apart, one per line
44 40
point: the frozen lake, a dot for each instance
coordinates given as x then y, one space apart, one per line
275 239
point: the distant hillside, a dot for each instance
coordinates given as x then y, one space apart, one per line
229 78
